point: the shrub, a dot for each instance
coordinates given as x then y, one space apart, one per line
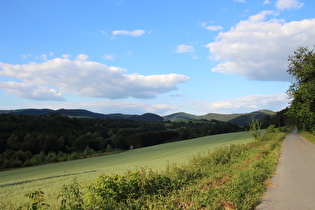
52 157
36 201
71 196
254 129
271 129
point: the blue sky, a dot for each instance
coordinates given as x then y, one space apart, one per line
138 56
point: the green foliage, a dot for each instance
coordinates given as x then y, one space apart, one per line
36 201
41 138
229 177
70 196
308 135
116 190
271 129
185 187
254 129
302 90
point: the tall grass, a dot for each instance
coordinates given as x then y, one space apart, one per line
230 177
307 135
14 184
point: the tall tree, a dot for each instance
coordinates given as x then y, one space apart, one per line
302 90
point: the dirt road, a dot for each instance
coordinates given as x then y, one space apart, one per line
295 177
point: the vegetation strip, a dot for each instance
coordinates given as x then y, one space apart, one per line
232 177
46 178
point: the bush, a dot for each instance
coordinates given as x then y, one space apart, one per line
271 129
52 157
71 196
232 177
254 129
36 201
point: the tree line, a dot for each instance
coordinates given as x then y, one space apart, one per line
34 140
302 91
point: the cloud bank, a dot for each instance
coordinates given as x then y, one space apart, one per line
259 49
273 102
288 4
53 78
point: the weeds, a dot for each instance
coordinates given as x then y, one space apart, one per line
232 177
71 196
36 201
307 135
254 129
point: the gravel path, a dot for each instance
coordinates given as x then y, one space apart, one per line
295 177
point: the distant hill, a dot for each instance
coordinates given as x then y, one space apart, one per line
84 113
180 116
239 119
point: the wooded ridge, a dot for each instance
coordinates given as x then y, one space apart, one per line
239 119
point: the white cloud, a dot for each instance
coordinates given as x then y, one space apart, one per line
275 102
261 16
82 57
242 1
65 56
24 90
129 33
266 2
109 57
83 78
288 4
185 49
26 56
259 49
214 28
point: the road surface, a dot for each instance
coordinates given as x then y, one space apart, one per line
295 177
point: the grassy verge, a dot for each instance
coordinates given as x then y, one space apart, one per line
231 177
49 178
307 135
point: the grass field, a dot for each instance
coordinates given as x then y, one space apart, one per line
14 184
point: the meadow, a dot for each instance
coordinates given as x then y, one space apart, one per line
15 183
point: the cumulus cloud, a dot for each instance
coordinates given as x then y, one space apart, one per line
211 27
261 16
82 57
83 78
214 28
266 2
24 90
109 57
129 33
288 4
185 49
275 102
258 49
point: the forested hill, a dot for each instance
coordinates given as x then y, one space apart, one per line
83 113
32 140
239 119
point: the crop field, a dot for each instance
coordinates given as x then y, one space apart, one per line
14 184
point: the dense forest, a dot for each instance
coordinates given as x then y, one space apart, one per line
302 90
33 140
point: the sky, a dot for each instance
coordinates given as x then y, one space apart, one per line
157 56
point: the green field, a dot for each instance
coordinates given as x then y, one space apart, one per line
49 178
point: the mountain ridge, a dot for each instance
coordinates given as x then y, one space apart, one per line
239 119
